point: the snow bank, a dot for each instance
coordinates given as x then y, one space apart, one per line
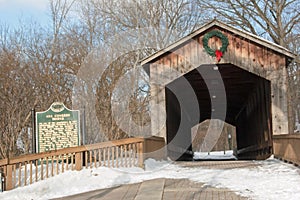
271 180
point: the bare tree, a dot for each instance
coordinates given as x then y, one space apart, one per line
15 100
45 60
148 26
38 67
170 19
294 77
276 20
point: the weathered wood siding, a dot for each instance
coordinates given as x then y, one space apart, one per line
241 52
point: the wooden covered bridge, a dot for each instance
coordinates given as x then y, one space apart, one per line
216 72
220 72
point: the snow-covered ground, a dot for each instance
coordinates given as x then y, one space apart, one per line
273 179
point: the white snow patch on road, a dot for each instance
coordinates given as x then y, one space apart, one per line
215 155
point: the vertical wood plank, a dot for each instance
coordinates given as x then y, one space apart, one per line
78 161
14 179
184 62
57 164
121 156
20 173
256 57
36 170
99 155
252 59
179 60
227 55
86 159
104 156
72 161
91 158
52 166
67 161
135 154
200 49
173 65
42 169
268 61
141 154
132 154
260 56
47 167
193 52
63 163
108 156
125 155
244 53
113 156
9 181
164 65
96 157
128 155
25 173
238 51
30 171
187 65
233 48
117 156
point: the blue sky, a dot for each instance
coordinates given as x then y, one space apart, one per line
11 11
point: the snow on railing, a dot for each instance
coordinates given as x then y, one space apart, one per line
28 169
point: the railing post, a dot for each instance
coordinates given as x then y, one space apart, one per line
78 161
141 154
8 178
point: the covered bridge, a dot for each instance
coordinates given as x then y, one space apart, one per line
220 72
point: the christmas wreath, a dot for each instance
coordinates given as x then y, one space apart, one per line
218 53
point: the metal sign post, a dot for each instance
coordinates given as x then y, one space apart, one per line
33 139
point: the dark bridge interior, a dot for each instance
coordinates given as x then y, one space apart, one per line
224 92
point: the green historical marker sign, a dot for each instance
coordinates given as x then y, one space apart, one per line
57 128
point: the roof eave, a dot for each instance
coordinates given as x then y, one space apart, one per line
239 32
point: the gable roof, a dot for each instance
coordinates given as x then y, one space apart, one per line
216 23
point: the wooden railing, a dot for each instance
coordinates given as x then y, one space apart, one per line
27 169
257 152
287 147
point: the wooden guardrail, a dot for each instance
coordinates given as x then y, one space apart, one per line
27 169
258 152
287 147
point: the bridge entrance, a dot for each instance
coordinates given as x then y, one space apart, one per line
223 92
220 72
204 141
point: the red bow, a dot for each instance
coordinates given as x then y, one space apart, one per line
218 54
